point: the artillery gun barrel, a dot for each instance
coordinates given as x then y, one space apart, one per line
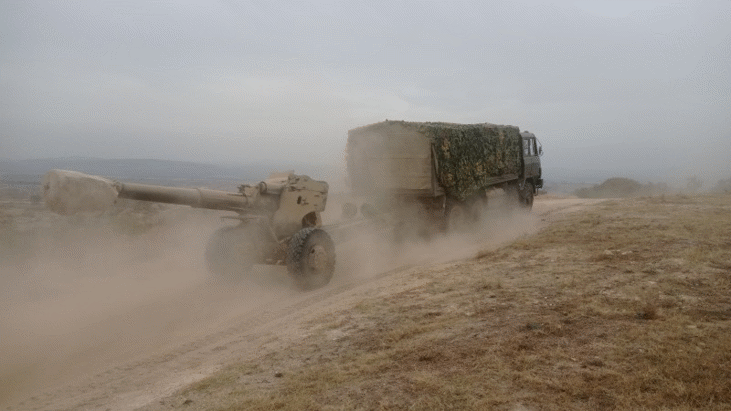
194 197
70 192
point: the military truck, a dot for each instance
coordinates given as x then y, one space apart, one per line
442 171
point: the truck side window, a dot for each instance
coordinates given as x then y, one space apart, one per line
526 147
534 149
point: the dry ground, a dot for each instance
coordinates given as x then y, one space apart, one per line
617 304
623 305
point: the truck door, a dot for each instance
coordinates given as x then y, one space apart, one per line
530 157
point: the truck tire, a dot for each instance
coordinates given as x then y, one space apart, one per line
232 251
311 258
521 195
526 195
462 216
459 217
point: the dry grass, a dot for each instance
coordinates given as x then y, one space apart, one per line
624 306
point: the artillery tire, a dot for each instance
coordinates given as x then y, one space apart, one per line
311 258
231 251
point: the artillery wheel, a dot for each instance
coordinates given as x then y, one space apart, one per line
232 251
311 258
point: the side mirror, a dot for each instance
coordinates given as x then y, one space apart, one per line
540 151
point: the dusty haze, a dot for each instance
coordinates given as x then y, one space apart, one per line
639 88
629 88
83 293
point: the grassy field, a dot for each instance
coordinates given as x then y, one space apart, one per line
624 305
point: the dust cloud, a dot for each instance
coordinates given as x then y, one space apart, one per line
375 247
79 295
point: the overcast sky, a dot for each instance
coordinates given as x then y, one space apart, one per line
617 85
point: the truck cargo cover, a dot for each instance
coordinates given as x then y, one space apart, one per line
400 155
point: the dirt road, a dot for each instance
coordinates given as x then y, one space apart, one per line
142 322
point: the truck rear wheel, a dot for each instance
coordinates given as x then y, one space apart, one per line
459 217
311 258
521 194
462 216
526 195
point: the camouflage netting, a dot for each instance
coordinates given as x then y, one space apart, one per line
468 155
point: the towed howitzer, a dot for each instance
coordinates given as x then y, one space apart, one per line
280 219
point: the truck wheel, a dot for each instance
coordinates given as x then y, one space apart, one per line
526 195
523 196
458 217
463 215
311 258
232 251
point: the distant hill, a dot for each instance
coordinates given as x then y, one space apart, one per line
575 176
127 168
29 172
621 187
723 186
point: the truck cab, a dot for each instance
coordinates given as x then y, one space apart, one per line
532 151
